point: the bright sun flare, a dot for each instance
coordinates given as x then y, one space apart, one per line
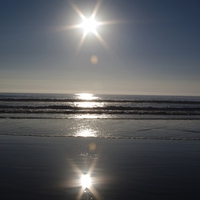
89 25
85 181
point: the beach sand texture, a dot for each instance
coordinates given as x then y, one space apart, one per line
50 168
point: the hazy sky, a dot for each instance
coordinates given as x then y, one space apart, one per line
153 48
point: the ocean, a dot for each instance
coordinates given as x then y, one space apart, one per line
103 116
85 146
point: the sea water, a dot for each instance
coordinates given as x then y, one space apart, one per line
103 116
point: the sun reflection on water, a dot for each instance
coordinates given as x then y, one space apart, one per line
86 96
88 104
87 100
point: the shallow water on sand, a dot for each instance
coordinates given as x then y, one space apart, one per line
104 128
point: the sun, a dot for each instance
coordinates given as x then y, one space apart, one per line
89 25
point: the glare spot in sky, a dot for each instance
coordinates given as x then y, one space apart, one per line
94 59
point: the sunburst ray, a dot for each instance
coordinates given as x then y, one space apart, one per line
90 28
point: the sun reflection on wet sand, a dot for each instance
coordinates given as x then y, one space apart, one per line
86 133
85 178
87 116
86 181
91 116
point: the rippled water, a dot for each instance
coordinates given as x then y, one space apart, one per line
107 116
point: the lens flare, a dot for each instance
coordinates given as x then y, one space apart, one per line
94 59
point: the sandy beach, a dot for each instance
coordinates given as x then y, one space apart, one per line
51 168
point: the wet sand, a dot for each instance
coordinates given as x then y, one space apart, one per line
50 168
